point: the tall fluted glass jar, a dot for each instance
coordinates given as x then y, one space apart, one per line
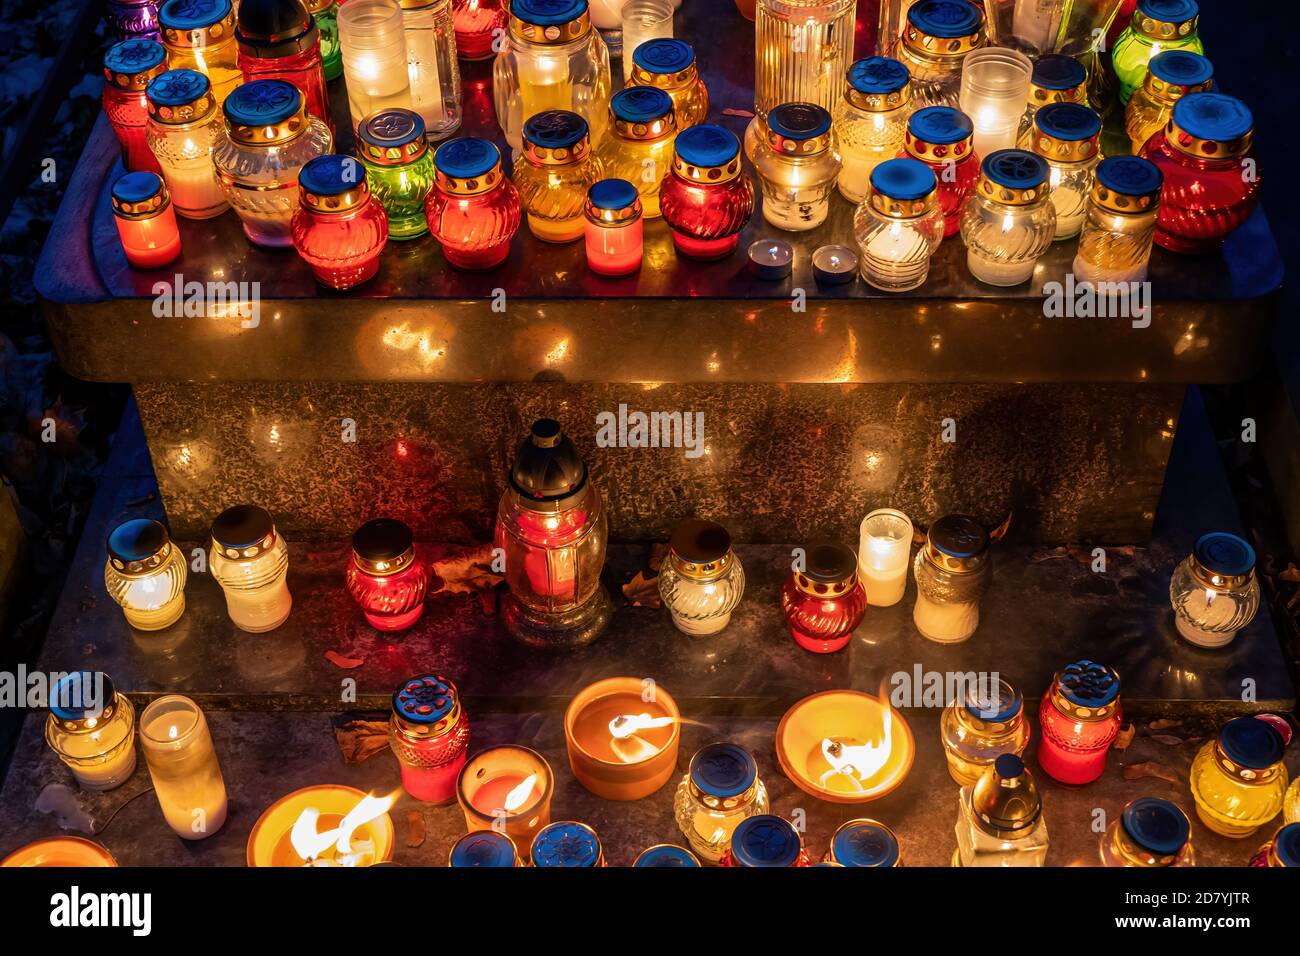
952 573
200 35
798 161
1157 25
938 35
551 59
145 574
669 64
399 167
129 67
701 579
183 766
1120 227
91 727
554 173
1171 76
985 722
184 124
639 145
1009 221
1214 590
473 209
432 65
1238 779
721 789
899 227
1056 78
373 36
1067 136
1148 833
249 558
870 121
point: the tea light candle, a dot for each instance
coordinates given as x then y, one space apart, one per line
622 737
834 265
183 765
507 789
61 851
325 825
884 547
770 259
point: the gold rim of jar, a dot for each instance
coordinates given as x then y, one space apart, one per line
191 112
220 32
919 42
657 128
707 175
1222 583
613 217
1154 29
155 205
903 209
1040 96
1124 204
559 155
551 34
702 570
1185 142
825 589
1088 715
387 156
474 186
82 726
248 552
378 568
795 148
150 564
724 804
951 563
418 733
1136 855
991 728
135 82
271 134
668 82
1065 150
419 4
917 148
1169 93
1011 197
878 102
1248 775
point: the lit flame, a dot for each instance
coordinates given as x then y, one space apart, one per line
626 744
858 762
517 797
311 845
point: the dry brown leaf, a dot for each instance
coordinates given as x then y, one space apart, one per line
642 590
465 573
1049 554
1149 768
414 828
487 600
1164 723
1000 532
1292 573
359 740
657 554
347 663
1169 740
918 535
1125 737
732 111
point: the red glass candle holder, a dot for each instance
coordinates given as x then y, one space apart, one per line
706 199
1211 183
385 577
128 68
429 733
765 840
339 229
1080 718
279 40
473 210
615 228
146 221
824 602
476 23
943 138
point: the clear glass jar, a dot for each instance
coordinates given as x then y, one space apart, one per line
432 65
373 37
669 64
870 121
267 138
952 573
1170 76
428 730
1148 833
249 558
399 168
473 209
936 39
326 13
551 59
1115 242
701 580
1009 221
1000 819
129 67
639 147
615 231
987 721
1239 780
707 198
899 227
91 727
994 91
145 574
1067 136
1157 25
720 790
943 138
798 161
339 228
279 40
1056 78
823 600
801 50
200 35
183 127
1214 590
554 173
1032 27
183 767
1079 718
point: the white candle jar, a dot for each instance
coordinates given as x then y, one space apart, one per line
899 227
884 555
183 766
1120 227
551 59
250 560
701 580
798 161
994 90
182 130
145 574
1214 590
1009 221
1056 78
372 34
870 121
92 730
1067 136
936 39
432 68
721 790
952 573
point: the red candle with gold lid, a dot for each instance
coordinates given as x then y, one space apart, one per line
943 138
706 198
128 68
824 602
429 732
1080 718
473 208
339 228
385 576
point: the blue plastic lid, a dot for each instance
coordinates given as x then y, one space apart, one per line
483 848
799 121
940 125
996 705
664 55
1068 121
1008 766
1251 742
392 128
331 175
1224 554
765 840
723 770
466 157
707 145
424 699
134 56
864 843
666 855
546 13
1129 175
1182 67
566 844
555 129
1213 116
262 103
947 19
958 536
139 538
1015 168
878 76
1056 71
1169 11
641 104
177 87
611 194
76 696
1287 844
1156 825
1089 684
903 179
193 14
137 187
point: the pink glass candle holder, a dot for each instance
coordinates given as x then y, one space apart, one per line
128 68
706 199
429 732
614 228
477 23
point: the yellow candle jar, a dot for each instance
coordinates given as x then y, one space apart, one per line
183 766
639 147
1057 78
1067 136
669 64
1118 231
250 560
554 174
61 851
145 574
1238 780
936 39
798 161
1149 833
871 121
92 729
720 790
1170 76
200 35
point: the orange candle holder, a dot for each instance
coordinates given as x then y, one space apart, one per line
270 842
61 851
506 789
622 735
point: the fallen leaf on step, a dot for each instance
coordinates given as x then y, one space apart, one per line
1125 737
732 111
642 590
359 740
1149 768
1169 740
657 554
1000 532
1164 723
347 663
414 828
467 572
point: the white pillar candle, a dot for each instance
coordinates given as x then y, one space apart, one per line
994 91
884 551
183 765
373 40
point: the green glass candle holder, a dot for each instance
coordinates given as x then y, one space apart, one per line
399 168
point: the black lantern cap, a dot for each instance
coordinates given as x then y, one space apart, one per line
136 541
829 562
548 467
274 28
700 542
383 539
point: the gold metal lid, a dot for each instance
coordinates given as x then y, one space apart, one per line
551 33
1155 28
830 570
700 550
668 82
797 129
1167 92
177 97
319 6
137 196
1086 691
957 544
383 546
892 208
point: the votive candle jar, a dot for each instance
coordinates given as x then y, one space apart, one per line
326 15
938 36
822 600
1238 779
765 840
1120 226
271 843
554 173
61 851
183 766
146 220
864 843
1067 135
721 789
994 90
1009 221
478 24
1214 590
91 728
638 147
200 35
986 721
801 50
373 38
473 208
1291 807
249 558
669 64
339 228
267 138
183 127
145 574
1079 718
385 576
666 854
1000 818
870 121
1056 78
943 138
1029 26
129 66
432 65
884 555
798 161
1211 181
1149 832
399 168
484 848
899 227
615 228
567 843
1281 851
428 730
1171 76
507 790
952 572
129 19
622 735
701 580
642 21
1157 25
279 40
552 59
706 198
